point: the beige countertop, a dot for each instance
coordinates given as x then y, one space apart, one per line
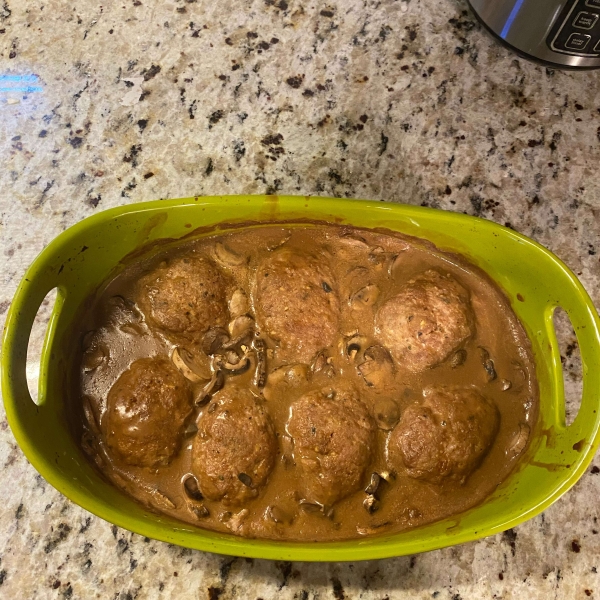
103 104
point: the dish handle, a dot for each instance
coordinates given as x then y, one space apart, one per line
581 437
35 286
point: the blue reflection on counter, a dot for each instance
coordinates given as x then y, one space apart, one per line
26 89
20 83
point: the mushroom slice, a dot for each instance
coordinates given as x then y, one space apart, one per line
326 287
519 440
94 357
239 345
203 394
89 445
378 255
371 530
371 504
245 479
199 510
240 326
213 340
123 310
366 296
190 486
225 516
161 500
387 476
276 377
189 366
387 413
88 339
354 241
279 515
316 507
458 358
292 374
260 375
133 328
289 375
238 304
319 363
278 242
297 374
373 484
396 262
378 366
154 496
232 357
520 371
354 345
236 522
287 446
191 429
488 364
120 302
232 366
90 416
227 257
411 513
323 364
310 507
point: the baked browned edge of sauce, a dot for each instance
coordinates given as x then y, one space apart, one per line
279 511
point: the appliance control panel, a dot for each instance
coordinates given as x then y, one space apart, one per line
577 30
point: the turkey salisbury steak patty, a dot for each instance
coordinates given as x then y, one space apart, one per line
187 295
429 319
145 413
444 436
333 437
297 303
235 447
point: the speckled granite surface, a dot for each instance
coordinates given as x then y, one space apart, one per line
393 100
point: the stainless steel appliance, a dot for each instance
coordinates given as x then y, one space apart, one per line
558 33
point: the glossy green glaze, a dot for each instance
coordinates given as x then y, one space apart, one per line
81 258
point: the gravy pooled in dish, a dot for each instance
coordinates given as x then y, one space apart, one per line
305 382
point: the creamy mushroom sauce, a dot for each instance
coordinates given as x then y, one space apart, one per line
364 269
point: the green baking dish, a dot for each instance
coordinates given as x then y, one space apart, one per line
79 259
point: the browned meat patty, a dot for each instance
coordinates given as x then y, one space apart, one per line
444 436
235 447
332 441
187 295
146 410
297 303
429 319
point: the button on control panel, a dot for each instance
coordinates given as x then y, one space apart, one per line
585 20
577 31
577 41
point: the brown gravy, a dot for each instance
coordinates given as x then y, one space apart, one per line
360 272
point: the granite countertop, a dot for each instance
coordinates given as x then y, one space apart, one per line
401 101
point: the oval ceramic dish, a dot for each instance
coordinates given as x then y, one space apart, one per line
82 257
